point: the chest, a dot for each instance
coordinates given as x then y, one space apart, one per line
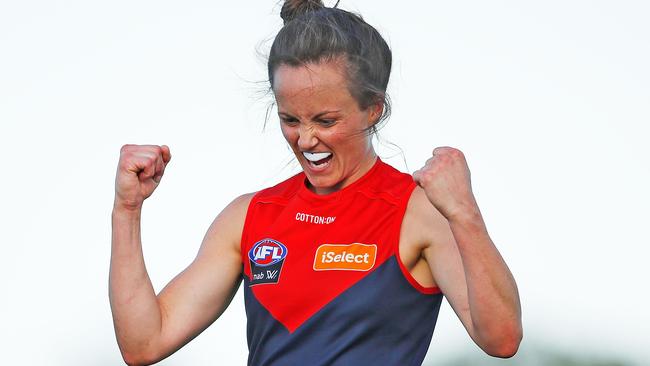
300 257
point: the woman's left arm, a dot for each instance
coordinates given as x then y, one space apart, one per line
468 267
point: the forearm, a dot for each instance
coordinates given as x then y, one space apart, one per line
136 313
492 291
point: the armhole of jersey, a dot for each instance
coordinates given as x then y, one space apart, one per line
405 272
244 233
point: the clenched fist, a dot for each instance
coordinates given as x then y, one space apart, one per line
138 173
445 179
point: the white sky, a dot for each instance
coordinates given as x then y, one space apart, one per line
548 100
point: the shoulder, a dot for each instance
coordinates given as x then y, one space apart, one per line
240 204
226 228
386 182
230 221
390 178
235 212
236 209
281 191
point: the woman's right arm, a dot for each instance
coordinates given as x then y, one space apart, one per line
149 327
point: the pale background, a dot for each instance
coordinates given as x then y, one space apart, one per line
548 100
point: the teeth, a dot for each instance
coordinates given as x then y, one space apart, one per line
313 157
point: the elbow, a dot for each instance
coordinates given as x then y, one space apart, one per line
504 350
506 344
143 352
138 358
132 359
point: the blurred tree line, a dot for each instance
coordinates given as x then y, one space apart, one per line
537 356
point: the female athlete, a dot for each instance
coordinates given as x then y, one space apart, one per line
345 263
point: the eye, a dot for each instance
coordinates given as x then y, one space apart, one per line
327 122
289 121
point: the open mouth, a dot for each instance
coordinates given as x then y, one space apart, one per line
319 159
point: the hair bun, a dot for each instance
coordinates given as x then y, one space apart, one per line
293 8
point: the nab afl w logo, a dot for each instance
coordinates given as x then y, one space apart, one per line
266 258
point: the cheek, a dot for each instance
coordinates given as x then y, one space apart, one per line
338 141
348 144
288 133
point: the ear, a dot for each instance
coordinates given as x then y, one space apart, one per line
375 110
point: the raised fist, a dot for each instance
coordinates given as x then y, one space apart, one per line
139 172
445 179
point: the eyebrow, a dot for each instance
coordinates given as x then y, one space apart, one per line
316 116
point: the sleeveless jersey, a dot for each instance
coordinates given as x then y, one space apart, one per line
323 281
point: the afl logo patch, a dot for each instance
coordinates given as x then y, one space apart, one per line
266 258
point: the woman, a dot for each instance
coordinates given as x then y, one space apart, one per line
345 263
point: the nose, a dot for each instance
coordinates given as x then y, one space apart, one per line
307 138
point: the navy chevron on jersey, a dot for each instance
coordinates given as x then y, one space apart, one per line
323 281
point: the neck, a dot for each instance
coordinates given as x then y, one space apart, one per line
359 171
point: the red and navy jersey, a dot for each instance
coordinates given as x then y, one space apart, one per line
323 281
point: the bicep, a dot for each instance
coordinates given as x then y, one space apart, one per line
445 263
197 296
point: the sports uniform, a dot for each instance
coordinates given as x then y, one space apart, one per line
323 282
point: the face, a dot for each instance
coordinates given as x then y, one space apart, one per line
324 125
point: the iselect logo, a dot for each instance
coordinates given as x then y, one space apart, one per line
345 257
